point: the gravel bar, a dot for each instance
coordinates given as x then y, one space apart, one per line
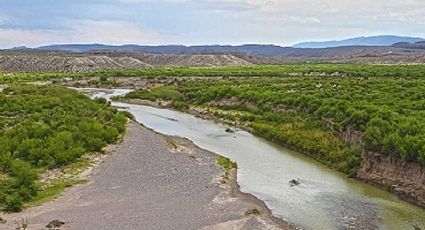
153 181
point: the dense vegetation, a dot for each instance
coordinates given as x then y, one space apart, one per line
312 113
45 127
332 118
333 112
162 93
348 70
273 71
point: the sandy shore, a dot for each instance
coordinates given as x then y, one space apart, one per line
152 181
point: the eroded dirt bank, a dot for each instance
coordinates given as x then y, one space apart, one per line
404 178
153 182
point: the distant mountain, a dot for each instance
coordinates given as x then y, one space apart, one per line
97 56
263 50
19 48
406 45
379 49
385 40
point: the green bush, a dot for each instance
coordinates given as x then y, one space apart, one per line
49 127
13 203
226 163
167 93
377 108
162 93
179 105
141 94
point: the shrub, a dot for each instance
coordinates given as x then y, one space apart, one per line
13 203
226 163
179 105
51 127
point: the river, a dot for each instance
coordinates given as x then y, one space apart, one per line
324 199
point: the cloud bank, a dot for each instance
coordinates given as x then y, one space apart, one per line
37 22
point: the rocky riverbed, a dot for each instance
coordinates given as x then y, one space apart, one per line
153 181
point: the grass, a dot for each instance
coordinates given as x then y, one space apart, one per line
55 187
226 163
53 191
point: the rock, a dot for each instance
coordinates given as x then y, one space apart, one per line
54 224
294 182
229 130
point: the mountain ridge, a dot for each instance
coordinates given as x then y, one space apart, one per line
254 49
249 49
380 40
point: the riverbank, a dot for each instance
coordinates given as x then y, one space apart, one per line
197 112
406 186
153 181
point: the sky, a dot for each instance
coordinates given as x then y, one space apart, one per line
194 22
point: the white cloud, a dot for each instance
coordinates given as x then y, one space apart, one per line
222 21
4 18
110 32
301 20
231 4
289 21
17 37
307 6
115 32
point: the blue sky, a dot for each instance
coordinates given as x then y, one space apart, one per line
282 22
